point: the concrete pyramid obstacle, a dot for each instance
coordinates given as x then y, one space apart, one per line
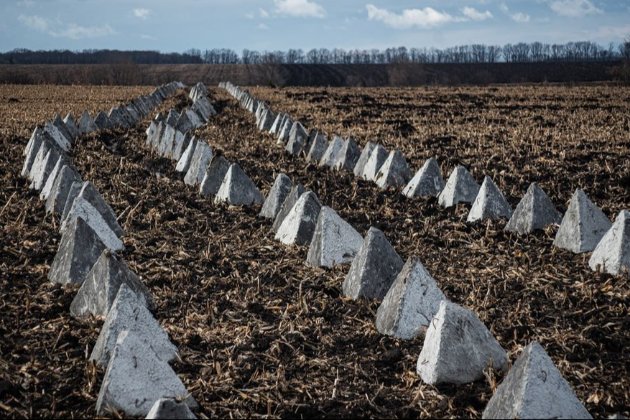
394 172
318 147
534 389
92 196
612 254
457 348
79 249
297 139
299 225
194 118
427 182
489 204
237 189
266 120
279 192
183 123
151 131
331 155
285 131
334 242
165 146
128 313
32 150
534 211
363 159
294 195
35 159
172 117
61 187
583 225
61 141
71 125
43 169
135 378
50 181
348 155
183 164
309 141
374 268
81 208
215 174
102 122
86 123
410 304
63 129
277 124
180 144
154 139
169 408
461 187
98 291
73 193
374 163
198 164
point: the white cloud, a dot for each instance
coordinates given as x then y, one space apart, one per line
574 8
520 17
148 37
474 14
263 13
263 27
409 18
141 13
299 8
59 29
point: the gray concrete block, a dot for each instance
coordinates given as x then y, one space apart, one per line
73 193
60 189
374 163
394 172
335 241
457 348
198 164
582 226
60 140
50 180
534 211
71 125
299 225
294 195
427 182
461 187
172 117
237 189
297 139
332 152
81 208
78 250
285 131
363 159
534 389
42 167
169 408
277 124
92 196
98 291
63 129
490 203
277 194
86 124
101 121
128 313
612 253
183 164
374 268
410 304
348 155
317 149
180 144
215 174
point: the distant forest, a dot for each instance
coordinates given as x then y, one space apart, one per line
535 52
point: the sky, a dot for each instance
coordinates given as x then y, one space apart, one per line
178 25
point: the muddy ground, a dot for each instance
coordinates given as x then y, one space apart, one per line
260 333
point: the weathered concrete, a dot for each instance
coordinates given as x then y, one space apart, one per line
332 152
215 174
180 144
297 139
81 208
151 131
198 164
457 348
169 408
534 211
294 195
183 164
461 187
363 159
50 180
612 253
98 291
60 189
71 125
334 242
534 389
394 172
183 124
102 122
92 196
277 195
128 313
299 225
410 304
135 378
348 155
172 117
277 124
427 182
318 147
63 129
194 118
374 268
60 140
86 124
374 163
583 225
285 131
266 120
237 189
165 147
73 192
489 204
43 169
78 250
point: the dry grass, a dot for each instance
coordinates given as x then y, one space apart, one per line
262 334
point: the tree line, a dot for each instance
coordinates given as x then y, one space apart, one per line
474 53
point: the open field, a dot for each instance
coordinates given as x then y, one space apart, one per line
262 334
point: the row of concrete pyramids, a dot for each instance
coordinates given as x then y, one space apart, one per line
131 345
581 229
457 348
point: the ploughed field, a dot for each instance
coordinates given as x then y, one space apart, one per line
259 332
